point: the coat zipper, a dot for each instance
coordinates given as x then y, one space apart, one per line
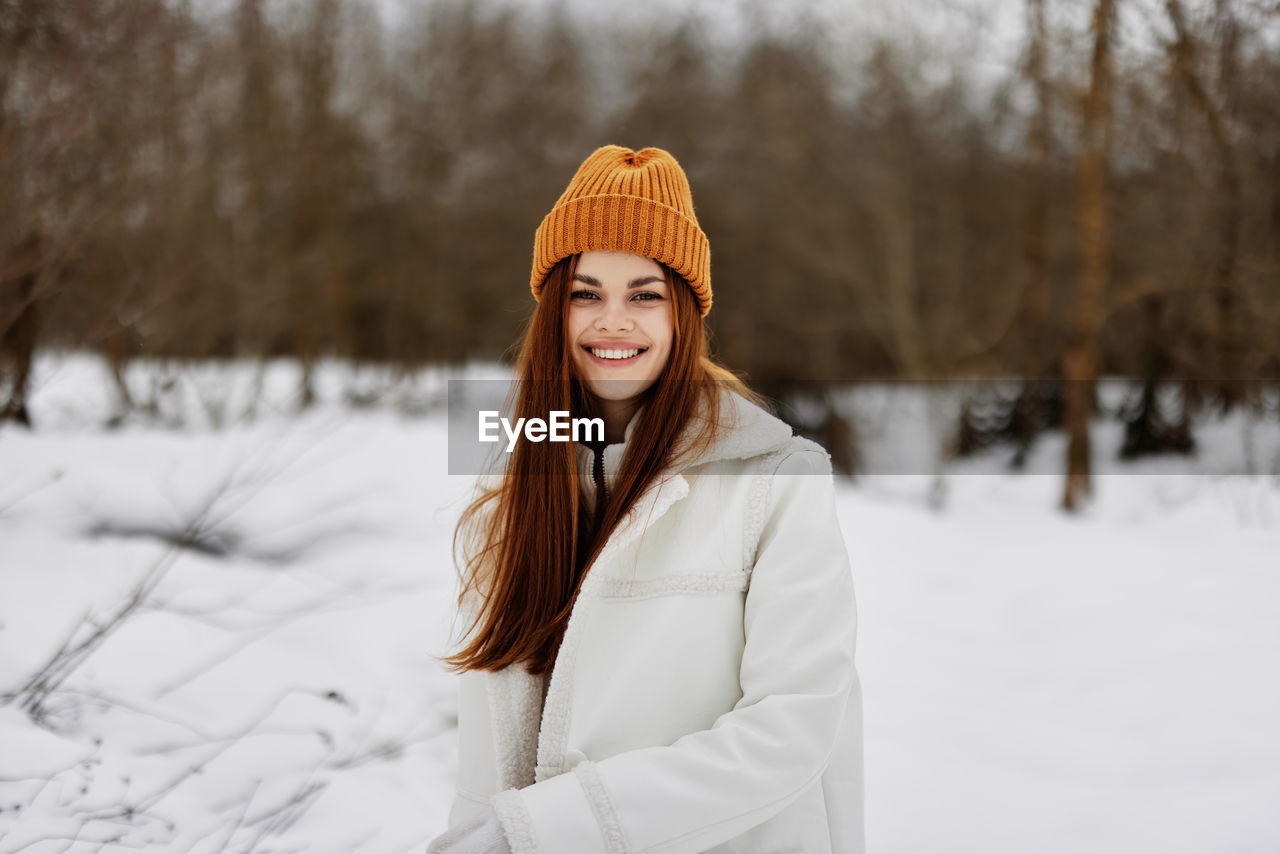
597 474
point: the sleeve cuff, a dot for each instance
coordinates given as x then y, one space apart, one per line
552 816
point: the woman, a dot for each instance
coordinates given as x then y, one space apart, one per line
660 651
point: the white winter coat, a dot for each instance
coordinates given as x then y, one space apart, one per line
704 698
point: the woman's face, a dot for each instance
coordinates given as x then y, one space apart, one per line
621 322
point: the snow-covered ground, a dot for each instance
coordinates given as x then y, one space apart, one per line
1107 682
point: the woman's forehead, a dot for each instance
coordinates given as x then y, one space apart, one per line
609 260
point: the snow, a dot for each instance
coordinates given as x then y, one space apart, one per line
1032 681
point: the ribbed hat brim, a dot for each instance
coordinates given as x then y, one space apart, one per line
626 224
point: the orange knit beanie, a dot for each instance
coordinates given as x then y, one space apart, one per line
628 201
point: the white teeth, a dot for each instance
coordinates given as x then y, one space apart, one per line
614 354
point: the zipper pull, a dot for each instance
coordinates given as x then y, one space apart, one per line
597 473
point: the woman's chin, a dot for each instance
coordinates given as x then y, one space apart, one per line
617 388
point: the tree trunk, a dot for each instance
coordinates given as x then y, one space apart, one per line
19 345
19 335
1080 361
1032 409
1228 361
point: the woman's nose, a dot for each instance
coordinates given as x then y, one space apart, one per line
613 315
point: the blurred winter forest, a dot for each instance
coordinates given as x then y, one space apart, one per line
950 237
276 178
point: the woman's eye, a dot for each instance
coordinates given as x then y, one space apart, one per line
583 295
647 296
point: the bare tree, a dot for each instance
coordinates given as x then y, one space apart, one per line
1080 360
1039 401
31 35
1187 64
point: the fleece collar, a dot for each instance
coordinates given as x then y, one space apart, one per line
750 431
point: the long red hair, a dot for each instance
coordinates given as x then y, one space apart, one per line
528 540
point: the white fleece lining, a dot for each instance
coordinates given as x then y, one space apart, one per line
514 696
757 509
517 826
699 582
606 815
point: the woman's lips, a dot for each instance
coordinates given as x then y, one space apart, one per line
615 363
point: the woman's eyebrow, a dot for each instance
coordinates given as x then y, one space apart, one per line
634 283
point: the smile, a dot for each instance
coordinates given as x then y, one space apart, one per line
615 355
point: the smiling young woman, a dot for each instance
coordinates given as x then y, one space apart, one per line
659 652
620 329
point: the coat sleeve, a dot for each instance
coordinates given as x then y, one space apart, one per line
797 672
477 778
